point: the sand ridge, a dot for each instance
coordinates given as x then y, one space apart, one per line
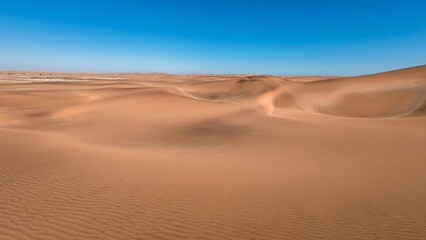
159 156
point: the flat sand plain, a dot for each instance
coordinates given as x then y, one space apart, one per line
156 156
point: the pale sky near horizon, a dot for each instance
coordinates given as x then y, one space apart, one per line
260 37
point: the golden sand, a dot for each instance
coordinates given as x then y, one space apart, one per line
156 156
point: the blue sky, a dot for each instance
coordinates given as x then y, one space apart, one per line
266 37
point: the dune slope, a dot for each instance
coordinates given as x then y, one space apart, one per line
391 94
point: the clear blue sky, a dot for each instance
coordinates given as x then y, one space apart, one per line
338 37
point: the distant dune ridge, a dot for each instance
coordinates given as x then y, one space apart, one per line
158 156
391 94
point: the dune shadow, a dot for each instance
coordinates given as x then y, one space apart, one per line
208 132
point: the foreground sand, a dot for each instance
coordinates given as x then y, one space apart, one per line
152 156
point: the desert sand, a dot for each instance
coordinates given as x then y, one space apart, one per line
157 156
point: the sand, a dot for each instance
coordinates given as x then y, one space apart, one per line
156 156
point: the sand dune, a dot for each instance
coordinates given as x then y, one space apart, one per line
391 94
157 156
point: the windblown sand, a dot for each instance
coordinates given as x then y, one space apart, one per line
155 156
